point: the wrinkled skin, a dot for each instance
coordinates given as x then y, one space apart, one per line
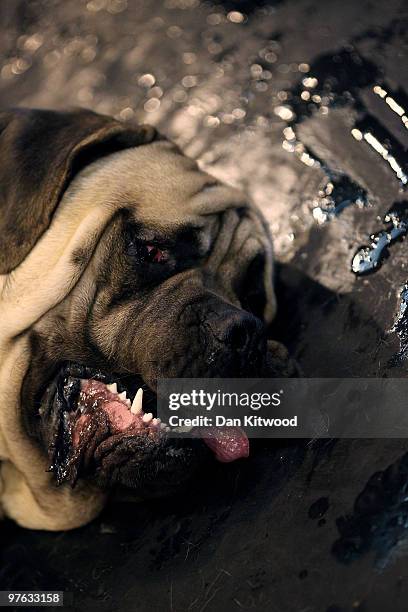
181 325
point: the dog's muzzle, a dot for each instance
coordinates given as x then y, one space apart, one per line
236 341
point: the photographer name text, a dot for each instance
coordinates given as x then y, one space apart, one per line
176 421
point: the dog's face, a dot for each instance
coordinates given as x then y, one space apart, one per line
167 273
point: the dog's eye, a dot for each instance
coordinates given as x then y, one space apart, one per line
154 254
144 252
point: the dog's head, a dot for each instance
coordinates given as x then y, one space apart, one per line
122 262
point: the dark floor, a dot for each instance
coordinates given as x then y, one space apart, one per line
299 527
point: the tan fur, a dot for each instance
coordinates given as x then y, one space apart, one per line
165 190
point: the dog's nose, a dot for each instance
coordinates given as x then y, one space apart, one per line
237 330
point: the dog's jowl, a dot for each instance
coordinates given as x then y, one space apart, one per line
121 262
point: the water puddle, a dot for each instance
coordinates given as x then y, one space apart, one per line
369 258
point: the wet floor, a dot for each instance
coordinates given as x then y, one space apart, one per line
304 104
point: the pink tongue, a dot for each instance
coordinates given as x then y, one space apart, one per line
228 443
119 415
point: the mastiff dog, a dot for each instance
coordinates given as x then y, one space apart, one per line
120 262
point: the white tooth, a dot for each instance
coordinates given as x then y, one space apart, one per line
147 417
128 402
156 422
137 402
122 395
113 388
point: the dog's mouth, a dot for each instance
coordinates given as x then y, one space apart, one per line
101 424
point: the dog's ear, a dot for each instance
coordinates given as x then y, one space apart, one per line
40 152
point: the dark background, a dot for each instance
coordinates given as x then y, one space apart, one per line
299 526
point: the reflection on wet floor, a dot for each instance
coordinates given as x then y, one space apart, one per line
340 80
369 258
395 100
383 143
330 82
337 190
334 81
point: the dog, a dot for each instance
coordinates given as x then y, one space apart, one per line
120 262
